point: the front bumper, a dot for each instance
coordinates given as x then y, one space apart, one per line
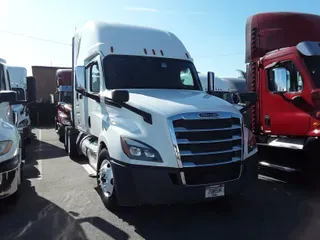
9 176
157 185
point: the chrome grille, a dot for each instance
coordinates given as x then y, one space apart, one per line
207 141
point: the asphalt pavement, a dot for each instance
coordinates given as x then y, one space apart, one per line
58 200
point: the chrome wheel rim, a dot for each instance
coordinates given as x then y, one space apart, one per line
106 178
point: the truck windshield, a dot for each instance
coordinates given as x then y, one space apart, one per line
313 65
224 95
20 93
149 72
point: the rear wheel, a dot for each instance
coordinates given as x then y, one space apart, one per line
312 171
72 144
56 125
61 135
105 182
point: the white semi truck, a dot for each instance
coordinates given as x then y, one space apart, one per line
152 135
221 90
18 80
10 140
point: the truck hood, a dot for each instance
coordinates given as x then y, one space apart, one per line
169 102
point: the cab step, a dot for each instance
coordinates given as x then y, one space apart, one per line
279 167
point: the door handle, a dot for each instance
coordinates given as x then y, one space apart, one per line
267 121
89 122
80 96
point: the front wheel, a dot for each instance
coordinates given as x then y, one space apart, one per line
105 182
72 145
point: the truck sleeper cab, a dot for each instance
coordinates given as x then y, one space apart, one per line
152 135
10 140
282 57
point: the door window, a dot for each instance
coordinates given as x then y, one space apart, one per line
284 77
94 78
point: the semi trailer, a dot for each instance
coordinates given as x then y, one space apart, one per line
152 134
283 66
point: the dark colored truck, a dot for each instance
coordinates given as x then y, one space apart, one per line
63 97
283 68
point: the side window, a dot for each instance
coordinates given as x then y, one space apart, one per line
186 78
94 78
284 77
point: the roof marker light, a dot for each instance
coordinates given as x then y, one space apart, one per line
111 49
154 52
145 51
161 52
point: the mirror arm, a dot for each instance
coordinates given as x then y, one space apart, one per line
284 97
89 95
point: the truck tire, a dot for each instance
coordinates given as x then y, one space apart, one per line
65 142
105 181
56 125
311 170
72 145
61 136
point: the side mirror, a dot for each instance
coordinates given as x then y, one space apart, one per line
210 81
51 98
8 96
249 97
120 96
15 118
235 98
80 78
31 89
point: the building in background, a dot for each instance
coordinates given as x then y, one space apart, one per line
45 81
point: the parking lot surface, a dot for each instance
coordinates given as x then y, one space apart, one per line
58 200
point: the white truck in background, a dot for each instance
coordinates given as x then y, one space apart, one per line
153 136
221 90
11 163
18 80
237 86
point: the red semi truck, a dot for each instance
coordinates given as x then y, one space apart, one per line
63 97
283 68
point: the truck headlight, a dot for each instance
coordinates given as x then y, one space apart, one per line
23 123
252 144
5 147
135 149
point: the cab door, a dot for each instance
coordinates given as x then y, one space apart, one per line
94 86
281 81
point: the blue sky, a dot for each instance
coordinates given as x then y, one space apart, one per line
212 31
